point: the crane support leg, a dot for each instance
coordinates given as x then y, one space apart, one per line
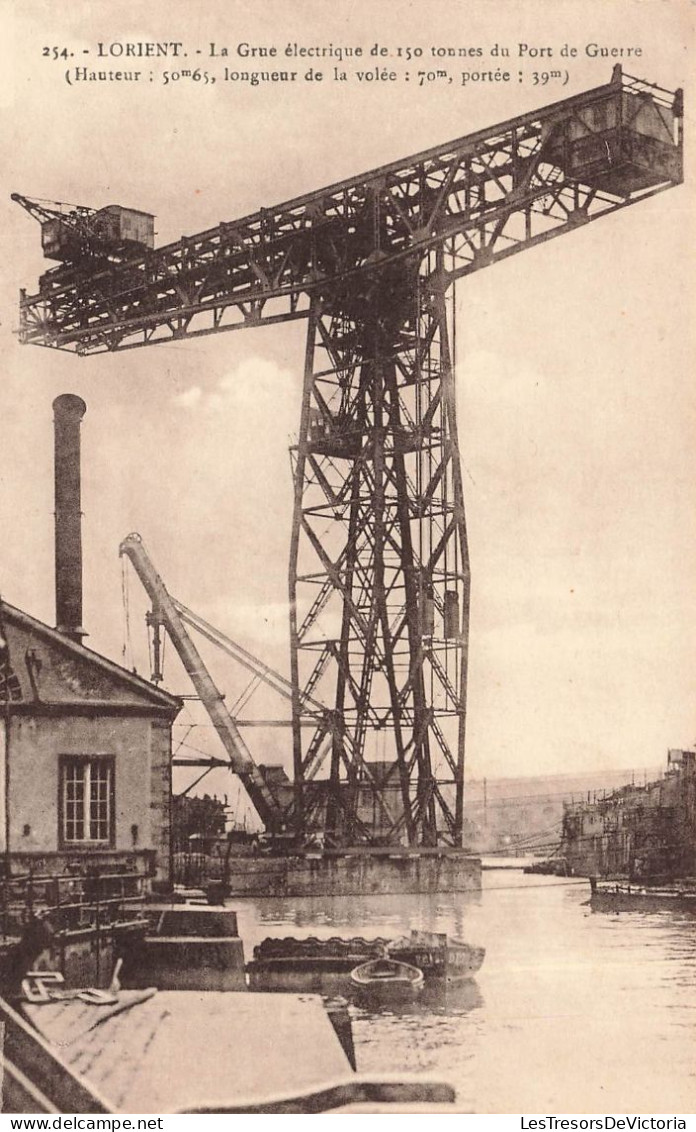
379 568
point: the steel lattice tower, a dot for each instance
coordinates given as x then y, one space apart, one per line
379 572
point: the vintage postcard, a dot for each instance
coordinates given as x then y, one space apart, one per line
346 583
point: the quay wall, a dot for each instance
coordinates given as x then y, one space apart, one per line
354 874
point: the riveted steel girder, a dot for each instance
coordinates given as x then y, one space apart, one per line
484 197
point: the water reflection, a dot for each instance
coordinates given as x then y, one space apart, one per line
365 915
572 1011
436 998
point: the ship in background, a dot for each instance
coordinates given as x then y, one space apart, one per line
640 839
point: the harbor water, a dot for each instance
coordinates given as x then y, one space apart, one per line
574 1010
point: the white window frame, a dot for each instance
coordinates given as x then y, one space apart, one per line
89 765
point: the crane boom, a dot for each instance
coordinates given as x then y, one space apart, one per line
482 197
44 211
241 762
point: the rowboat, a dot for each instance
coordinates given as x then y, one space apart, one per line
321 966
387 978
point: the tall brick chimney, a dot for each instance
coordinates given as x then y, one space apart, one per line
68 411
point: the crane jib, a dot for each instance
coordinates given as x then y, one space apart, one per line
478 199
166 612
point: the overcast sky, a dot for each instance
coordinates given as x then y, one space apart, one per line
575 396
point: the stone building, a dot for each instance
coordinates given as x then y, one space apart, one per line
85 745
85 756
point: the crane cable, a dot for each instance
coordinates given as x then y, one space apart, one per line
61 203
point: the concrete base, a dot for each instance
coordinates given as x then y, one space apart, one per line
191 963
355 874
189 947
213 922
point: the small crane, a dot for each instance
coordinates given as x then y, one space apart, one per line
166 613
76 234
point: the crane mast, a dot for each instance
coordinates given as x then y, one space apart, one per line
379 575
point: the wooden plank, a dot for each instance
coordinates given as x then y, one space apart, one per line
34 1059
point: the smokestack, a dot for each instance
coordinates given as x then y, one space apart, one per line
68 411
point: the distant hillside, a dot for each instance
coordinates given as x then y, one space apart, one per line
524 814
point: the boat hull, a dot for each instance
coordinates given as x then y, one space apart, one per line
319 965
324 966
439 958
387 980
456 965
617 896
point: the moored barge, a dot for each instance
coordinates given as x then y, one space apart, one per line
325 964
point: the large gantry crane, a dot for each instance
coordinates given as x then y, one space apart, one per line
379 564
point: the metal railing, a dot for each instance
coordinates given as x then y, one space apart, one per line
73 902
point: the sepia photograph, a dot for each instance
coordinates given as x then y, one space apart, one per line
347 700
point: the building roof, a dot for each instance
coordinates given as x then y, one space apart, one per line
179 1051
48 669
